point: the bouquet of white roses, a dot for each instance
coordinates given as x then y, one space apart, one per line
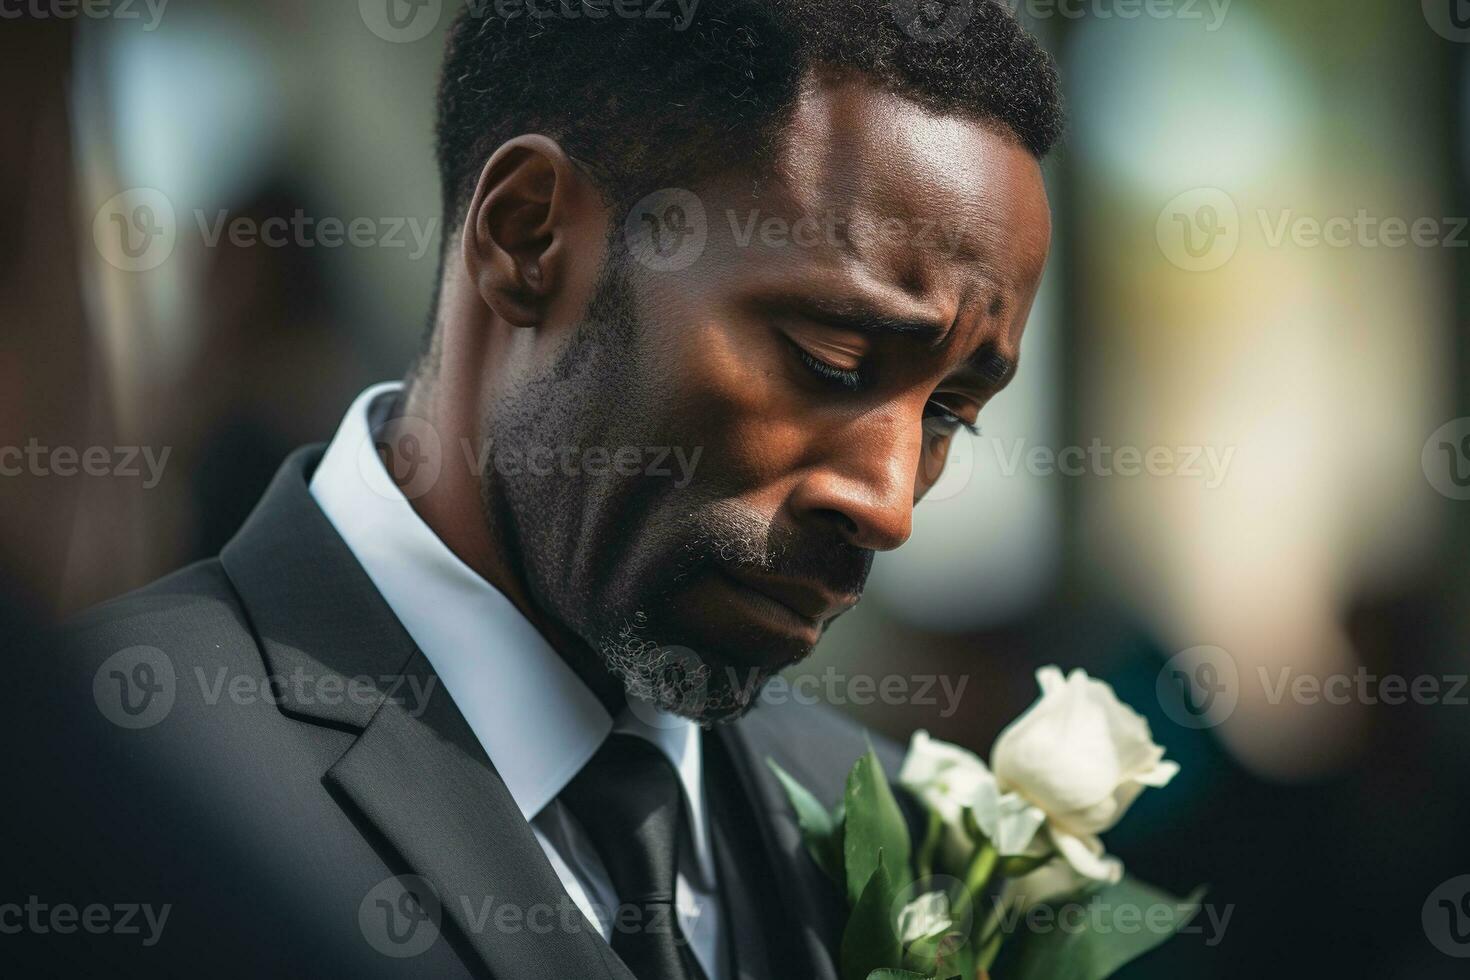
1015 838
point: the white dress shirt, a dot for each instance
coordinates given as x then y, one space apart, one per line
537 721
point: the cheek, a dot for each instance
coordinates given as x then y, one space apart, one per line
736 397
932 459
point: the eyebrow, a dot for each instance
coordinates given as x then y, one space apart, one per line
992 367
858 317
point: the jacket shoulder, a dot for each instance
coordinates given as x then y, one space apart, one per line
191 618
817 744
195 602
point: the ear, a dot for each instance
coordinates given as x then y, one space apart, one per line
517 230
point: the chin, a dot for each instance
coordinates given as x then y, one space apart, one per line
694 672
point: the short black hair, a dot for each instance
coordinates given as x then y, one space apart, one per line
649 101
645 99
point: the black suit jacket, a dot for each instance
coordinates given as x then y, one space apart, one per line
299 769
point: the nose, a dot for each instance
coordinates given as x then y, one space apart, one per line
863 485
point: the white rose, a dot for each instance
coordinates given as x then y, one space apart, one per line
1083 757
949 779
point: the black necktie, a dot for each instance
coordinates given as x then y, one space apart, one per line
628 800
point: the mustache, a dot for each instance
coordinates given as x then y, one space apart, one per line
734 536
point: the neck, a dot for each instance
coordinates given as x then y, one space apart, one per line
480 529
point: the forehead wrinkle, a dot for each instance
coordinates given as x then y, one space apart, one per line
879 156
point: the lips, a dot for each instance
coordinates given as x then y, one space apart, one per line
810 602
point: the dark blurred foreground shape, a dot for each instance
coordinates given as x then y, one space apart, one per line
48 378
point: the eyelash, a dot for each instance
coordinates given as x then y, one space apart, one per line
849 378
852 379
954 421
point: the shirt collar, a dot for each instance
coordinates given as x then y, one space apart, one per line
535 718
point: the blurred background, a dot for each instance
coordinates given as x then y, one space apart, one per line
1238 455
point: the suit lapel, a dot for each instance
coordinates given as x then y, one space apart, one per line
416 777
783 907
421 778
747 885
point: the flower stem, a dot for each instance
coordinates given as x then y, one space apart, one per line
978 875
930 845
989 949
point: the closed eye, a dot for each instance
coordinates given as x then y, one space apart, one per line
849 378
946 421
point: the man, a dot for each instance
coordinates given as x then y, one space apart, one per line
475 690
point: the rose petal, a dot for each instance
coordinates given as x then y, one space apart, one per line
1086 857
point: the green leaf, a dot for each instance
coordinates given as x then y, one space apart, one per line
870 941
922 955
897 975
1093 936
874 824
839 832
819 830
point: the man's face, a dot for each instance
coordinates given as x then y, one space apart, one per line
778 405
